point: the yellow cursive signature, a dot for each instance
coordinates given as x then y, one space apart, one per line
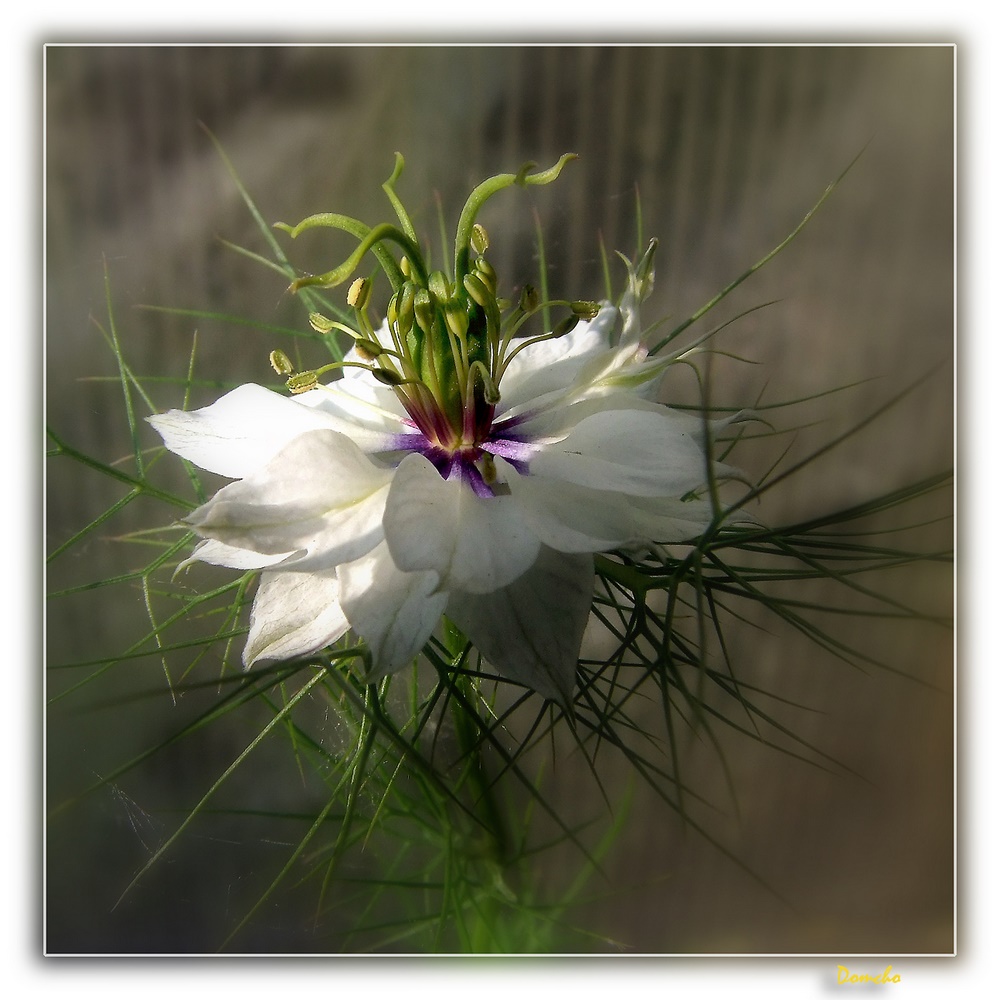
845 975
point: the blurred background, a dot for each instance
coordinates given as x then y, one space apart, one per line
728 147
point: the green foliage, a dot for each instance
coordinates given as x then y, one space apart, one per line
425 821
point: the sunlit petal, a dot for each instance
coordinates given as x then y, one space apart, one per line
637 452
321 498
294 614
247 427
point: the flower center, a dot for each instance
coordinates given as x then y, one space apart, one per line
448 337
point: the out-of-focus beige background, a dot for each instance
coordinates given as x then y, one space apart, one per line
728 147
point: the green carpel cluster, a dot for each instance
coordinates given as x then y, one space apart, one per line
447 338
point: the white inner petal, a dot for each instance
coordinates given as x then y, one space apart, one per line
473 543
360 400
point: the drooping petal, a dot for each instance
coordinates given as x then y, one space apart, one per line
630 451
294 614
531 630
246 428
320 501
473 543
394 612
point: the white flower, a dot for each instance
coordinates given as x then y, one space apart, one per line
456 468
359 521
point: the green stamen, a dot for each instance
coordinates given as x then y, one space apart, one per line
302 382
281 363
359 294
480 240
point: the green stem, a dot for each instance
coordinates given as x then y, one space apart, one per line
484 800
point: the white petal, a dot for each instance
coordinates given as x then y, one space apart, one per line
629 308
294 614
362 401
628 451
473 543
320 499
625 365
554 420
218 554
238 433
668 520
554 364
574 518
568 517
623 369
247 427
394 612
531 630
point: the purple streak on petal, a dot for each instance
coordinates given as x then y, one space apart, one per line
409 442
463 469
513 451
